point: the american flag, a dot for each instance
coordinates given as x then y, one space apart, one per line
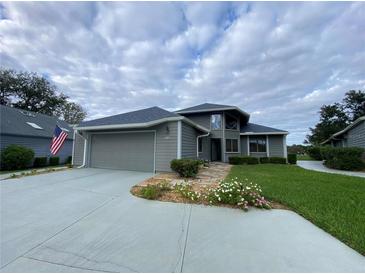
59 137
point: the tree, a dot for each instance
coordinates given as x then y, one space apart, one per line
354 104
32 92
72 113
332 119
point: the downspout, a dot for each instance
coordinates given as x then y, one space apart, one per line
85 145
197 143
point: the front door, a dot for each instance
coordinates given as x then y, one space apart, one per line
216 151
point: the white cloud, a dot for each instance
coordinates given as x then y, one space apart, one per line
278 61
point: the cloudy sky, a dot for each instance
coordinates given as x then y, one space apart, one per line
278 61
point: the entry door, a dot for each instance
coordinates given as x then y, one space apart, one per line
216 151
126 151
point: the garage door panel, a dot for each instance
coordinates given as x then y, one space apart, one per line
128 151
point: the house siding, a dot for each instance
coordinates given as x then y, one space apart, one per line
188 143
244 148
78 153
232 134
276 146
166 145
40 145
205 154
356 136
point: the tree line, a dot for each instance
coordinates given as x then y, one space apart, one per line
32 92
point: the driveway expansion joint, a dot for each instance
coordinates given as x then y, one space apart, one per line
186 239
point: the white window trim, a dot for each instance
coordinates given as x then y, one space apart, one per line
179 139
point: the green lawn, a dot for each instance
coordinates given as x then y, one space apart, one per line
304 158
335 203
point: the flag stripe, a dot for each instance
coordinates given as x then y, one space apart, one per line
59 143
58 139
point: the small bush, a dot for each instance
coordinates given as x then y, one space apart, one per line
277 160
348 158
40 162
54 161
151 192
69 160
264 160
292 158
185 167
16 157
315 153
240 160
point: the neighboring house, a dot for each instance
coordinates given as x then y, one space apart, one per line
148 139
352 136
32 130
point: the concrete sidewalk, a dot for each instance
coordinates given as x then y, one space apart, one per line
318 166
86 220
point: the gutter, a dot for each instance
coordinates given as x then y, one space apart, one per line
85 145
197 143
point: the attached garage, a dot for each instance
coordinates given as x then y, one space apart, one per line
133 151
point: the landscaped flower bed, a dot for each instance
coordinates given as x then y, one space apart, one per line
234 193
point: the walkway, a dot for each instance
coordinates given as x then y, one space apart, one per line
318 166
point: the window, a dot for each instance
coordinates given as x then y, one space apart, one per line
257 144
231 145
33 125
216 121
231 122
200 145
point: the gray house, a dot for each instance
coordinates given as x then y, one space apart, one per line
352 136
32 130
148 139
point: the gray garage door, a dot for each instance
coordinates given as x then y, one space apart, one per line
128 151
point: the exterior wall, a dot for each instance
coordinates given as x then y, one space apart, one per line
231 134
166 145
356 136
188 141
78 153
40 145
276 146
244 148
205 155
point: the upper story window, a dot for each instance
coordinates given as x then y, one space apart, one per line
34 125
257 144
216 121
231 122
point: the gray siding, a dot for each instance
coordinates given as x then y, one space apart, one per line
166 145
205 154
244 148
356 136
232 134
276 146
188 141
40 145
78 155
202 119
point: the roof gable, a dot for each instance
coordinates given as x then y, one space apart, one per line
16 121
251 128
134 117
204 107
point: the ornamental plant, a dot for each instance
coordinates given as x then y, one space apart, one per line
241 193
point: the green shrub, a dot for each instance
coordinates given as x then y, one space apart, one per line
151 192
240 160
292 158
277 160
40 162
315 153
347 158
69 160
16 157
264 160
185 167
54 161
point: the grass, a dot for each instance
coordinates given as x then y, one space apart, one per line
304 157
335 203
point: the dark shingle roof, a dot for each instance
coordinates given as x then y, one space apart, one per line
14 122
204 107
255 128
134 117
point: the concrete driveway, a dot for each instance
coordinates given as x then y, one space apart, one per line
86 220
